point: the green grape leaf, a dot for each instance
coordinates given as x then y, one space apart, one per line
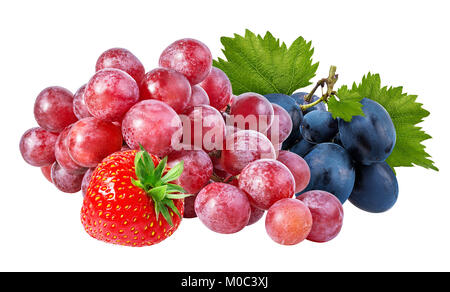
405 113
264 65
346 105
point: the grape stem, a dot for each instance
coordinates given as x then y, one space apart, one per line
329 82
227 179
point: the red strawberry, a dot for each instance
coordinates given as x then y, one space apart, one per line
127 193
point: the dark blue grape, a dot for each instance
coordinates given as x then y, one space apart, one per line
286 102
302 147
370 138
331 170
299 99
318 127
376 188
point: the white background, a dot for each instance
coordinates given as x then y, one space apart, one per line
47 43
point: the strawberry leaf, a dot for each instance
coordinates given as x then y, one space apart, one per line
172 188
142 172
264 65
148 162
137 183
172 206
173 173
138 157
157 187
158 193
163 209
159 170
178 196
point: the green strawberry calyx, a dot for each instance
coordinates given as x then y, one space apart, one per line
155 183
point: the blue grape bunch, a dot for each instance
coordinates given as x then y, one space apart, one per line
346 159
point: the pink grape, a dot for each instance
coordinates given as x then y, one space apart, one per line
90 140
197 172
125 148
255 109
198 97
207 128
229 130
53 109
110 93
256 215
190 57
37 147
327 214
86 180
65 181
288 221
223 208
218 168
280 130
298 167
232 180
189 207
232 98
167 85
218 87
244 147
153 124
266 181
121 59
62 153
79 105
47 172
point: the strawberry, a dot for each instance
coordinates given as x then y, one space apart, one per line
127 193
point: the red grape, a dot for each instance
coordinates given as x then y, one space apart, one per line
190 57
198 97
266 181
232 180
198 169
167 85
110 93
37 147
153 124
79 105
288 221
278 149
53 109
231 130
256 215
218 168
223 208
252 111
125 148
90 140
244 147
281 127
207 128
65 181
298 167
327 214
218 87
189 207
47 172
86 180
62 153
122 59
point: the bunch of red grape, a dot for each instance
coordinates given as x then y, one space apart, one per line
185 111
